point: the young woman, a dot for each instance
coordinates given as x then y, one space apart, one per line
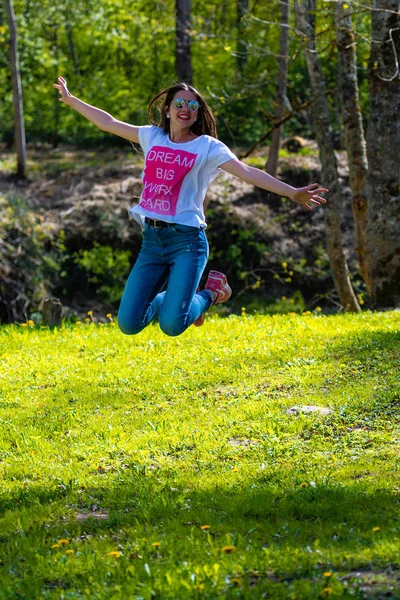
182 157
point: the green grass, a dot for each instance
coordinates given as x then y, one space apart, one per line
129 445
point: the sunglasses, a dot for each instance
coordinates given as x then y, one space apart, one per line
192 105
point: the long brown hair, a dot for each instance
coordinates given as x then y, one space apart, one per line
205 123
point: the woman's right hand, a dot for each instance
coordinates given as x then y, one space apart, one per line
65 95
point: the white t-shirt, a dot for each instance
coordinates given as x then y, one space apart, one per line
176 176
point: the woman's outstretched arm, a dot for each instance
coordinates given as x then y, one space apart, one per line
307 196
100 118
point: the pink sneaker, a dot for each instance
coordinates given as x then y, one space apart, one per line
218 283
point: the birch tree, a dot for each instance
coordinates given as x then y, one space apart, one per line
383 148
354 133
19 126
272 162
305 12
241 54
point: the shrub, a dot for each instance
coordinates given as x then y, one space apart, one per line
31 256
106 268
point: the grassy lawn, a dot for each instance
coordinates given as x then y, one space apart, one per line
168 468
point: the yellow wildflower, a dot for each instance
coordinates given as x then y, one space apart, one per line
205 527
31 323
70 552
228 549
374 529
114 553
237 581
56 546
23 324
156 544
63 542
327 574
109 316
78 323
303 485
90 313
235 469
327 591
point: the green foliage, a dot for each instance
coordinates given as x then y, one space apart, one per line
154 467
116 54
279 306
31 256
106 268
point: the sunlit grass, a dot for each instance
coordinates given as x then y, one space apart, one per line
155 467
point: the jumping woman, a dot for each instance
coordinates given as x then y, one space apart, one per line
182 157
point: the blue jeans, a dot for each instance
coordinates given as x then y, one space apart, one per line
175 256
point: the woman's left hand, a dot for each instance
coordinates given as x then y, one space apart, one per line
309 196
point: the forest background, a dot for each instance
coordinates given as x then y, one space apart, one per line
65 240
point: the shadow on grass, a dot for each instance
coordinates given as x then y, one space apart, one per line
375 356
366 344
274 511
306 531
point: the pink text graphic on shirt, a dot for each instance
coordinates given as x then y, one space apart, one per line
164 172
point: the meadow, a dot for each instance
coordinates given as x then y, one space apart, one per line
151 467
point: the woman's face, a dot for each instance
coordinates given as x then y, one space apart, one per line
180 112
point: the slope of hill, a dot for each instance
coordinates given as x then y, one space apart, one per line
269 246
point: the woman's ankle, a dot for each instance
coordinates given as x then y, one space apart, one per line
213 295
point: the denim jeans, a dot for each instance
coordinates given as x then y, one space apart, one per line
175 256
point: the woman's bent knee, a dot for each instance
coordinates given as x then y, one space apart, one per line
172 328
129 328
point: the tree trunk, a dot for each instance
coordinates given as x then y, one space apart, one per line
183 29
51 312
305 12
354 132
383 147
55 136
71 45
241 56
272 162
17 93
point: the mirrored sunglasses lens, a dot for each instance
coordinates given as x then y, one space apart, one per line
193 105
179 103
